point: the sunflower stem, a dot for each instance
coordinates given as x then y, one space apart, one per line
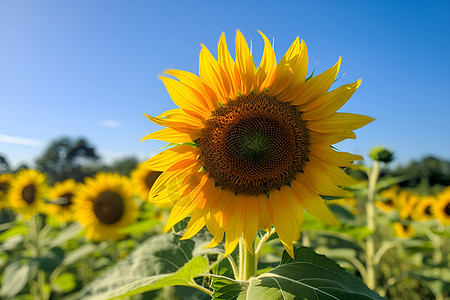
370 215
247 262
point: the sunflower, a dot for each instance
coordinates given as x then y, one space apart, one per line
104 204
348 203
253 144
143 179
441 208
27 192
407 204
404 230
5 183
390 196
424 209
61 195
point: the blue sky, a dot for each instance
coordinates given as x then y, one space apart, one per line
90 68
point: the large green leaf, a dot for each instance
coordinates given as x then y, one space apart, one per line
14 279
308 276
162 260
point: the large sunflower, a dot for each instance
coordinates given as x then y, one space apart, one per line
441 208
62 195
143 179
27 192
104 204
254 144
5 183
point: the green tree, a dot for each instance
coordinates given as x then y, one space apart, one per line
67 158
123 166
4 165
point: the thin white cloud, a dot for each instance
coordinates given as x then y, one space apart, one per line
20 141
110 123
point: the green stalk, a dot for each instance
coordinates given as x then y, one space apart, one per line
370 214
247 262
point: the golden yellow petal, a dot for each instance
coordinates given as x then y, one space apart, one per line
172 136
285 70
300 70
328 104
197 84
214 75
339 122
185 205
186 99
313 203
227 63
162 161
244 64
317 85
196 223
267 65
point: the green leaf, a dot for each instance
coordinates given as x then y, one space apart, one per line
67 234
308 276
139 227
162 260
76 255
15 278
65 282
16 230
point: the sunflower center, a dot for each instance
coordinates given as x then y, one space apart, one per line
67 201
447 209
428 210
4 186
29 193
151 178
254 144
108 207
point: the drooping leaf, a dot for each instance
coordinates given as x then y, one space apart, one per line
15 278
307 276
160 261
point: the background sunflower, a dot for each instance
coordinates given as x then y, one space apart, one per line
441 209
5 184
105 204
143 179
62 194
27 192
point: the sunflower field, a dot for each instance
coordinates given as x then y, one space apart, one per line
250 199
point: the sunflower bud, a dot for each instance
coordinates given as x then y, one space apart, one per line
382 154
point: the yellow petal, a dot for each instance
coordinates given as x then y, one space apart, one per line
186 99
197 84
288 216
313 203
339 122
300 67
320 181
172 136
227 63
328 104
317 85
196 223
214 75
162 161
185 205
250 205
179 121
267 66
285 70
244 64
